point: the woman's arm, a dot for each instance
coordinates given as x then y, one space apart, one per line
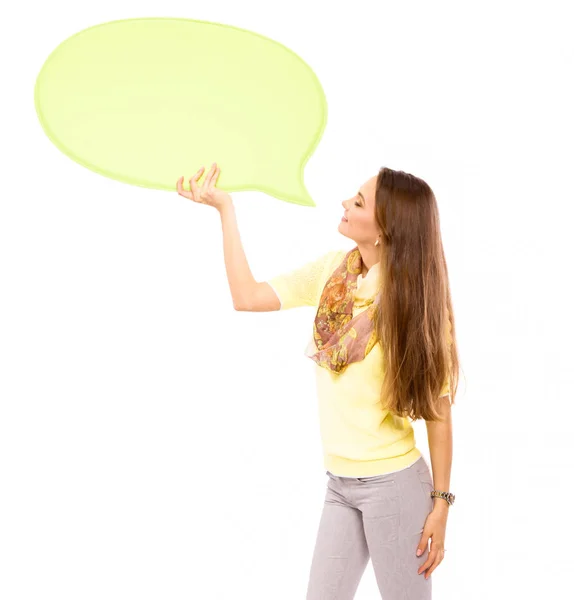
241 280
239 275
439 435
440 445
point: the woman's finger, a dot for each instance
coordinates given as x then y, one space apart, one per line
429 561
214 178
435 564
207 181
180 189
194 187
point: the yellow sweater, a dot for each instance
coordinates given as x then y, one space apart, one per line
359 438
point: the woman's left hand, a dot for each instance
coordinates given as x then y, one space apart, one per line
434 528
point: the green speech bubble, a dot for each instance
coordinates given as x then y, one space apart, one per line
145 101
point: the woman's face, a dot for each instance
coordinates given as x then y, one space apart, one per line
360 225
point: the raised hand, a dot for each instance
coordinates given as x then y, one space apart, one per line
208 193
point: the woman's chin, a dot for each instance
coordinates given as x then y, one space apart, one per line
342 230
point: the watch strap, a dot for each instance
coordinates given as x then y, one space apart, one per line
448 496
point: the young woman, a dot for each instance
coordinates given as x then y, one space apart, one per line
384 345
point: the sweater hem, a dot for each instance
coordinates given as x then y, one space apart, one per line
344 467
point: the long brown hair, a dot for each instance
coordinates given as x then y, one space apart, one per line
415 321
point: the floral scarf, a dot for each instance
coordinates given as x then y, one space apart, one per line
340 338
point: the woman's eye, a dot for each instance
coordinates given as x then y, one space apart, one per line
357 204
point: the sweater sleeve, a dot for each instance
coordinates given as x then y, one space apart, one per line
304 285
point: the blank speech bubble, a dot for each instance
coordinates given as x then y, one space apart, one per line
145 101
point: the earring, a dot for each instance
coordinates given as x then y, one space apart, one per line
377 243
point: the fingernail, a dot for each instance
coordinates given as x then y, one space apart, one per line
419 552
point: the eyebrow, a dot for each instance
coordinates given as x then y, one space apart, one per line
363 197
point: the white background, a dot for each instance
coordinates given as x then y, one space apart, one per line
155 443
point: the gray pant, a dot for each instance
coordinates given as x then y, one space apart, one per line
381 518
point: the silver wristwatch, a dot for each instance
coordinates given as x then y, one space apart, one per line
444 495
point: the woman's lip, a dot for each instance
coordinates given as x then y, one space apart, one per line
343 219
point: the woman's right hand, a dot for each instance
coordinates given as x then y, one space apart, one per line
208 193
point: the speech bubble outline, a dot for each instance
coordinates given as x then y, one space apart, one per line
128 98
